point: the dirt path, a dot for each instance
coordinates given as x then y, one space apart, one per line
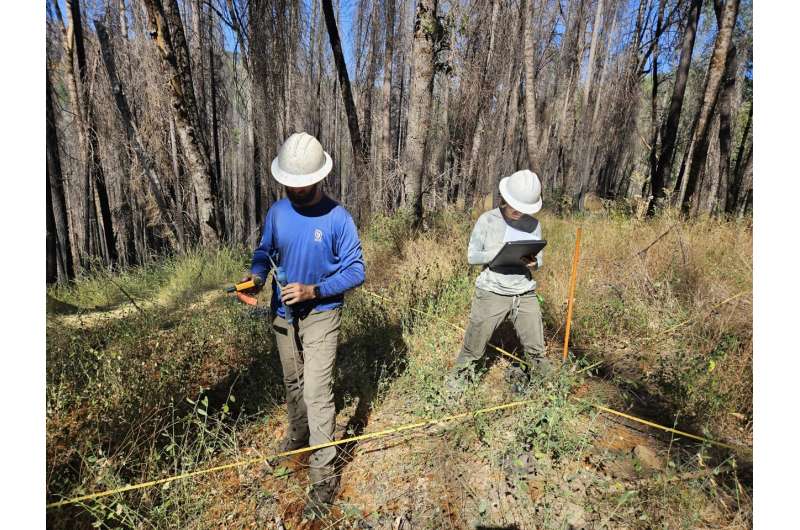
91 318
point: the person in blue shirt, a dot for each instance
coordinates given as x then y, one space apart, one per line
313 240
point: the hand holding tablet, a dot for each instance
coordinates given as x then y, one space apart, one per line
513 253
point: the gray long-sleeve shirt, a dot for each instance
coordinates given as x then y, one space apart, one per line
485 242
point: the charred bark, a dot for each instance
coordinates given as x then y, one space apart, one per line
669 131
164 24
696 154
421 93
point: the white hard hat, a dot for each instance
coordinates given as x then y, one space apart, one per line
301 161
522 191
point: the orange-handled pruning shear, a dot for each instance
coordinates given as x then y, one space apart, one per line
242 288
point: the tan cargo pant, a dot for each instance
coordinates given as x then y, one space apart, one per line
308 353
488 312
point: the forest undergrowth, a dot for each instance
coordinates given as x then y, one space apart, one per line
154 371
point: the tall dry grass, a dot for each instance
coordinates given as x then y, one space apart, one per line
667 304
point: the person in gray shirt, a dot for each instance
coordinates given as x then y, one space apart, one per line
507 292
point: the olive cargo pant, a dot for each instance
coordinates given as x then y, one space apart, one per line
308 353
488 311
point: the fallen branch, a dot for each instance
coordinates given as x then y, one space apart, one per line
128 296
645 249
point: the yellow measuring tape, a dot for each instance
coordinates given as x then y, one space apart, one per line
663 428
241 463
385 432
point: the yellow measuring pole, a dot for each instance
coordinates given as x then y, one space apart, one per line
572 278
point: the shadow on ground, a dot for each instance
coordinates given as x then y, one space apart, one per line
505 336
367 362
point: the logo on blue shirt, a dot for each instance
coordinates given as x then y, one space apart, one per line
317 235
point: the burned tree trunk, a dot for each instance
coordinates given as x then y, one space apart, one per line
372 73
212 72
530 86
58 233
722 183
51 249
386 132
593 50
356 141
85 242
93 176
175 58
732 193
745 198
95 167
421 93
669 131
654 95
369 186
484 87
180 227
696 154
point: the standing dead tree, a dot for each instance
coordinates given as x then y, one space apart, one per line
360 153
94 182
164 24
426 30
696 154
385 157
717 195
59 249
669 130
167 210
733 201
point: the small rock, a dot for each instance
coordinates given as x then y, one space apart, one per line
622 469
536 489
648 458
575 516
401 523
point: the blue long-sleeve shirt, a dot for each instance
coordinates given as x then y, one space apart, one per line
315 245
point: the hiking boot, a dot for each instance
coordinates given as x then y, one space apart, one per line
290 443
518 379
457 380
543 367
323 490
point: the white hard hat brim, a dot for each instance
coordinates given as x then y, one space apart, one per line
523 207
298 181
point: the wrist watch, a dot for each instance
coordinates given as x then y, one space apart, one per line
316 292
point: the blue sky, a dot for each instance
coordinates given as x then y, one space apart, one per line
347 15
347 19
